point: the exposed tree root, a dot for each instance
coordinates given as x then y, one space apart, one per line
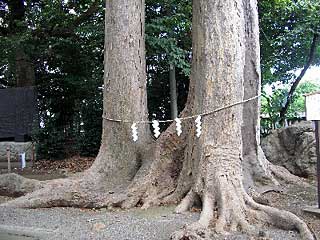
153 181
234 212
14 185
283 174
228 208
84 190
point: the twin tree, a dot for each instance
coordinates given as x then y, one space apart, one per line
223 171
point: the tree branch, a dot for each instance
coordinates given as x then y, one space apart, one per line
296 82
87 14
67 31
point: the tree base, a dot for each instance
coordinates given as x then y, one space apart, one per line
226 206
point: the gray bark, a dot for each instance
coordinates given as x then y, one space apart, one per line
119 158
255 164
25 76
207 169
225 70
173 92
124 90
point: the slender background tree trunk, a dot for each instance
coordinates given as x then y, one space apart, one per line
173 92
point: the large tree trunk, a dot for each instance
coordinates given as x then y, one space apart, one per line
256 168
219 168
124 91
119 158
226 70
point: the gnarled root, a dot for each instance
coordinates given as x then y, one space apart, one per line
79 191
151 184
55 193
233 211
283 174
227 207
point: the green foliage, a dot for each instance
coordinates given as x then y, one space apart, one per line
271 105
286 32
67 55
168 40
65 47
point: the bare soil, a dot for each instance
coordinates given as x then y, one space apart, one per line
296 198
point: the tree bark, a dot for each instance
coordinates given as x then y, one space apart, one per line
226 70
256 168
173 92
119 158
25 76
212 169
124 90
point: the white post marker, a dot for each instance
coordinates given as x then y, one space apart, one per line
313 114
23 160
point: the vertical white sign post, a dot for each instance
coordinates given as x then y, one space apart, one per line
313 114
23 160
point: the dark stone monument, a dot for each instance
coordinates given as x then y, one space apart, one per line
17 113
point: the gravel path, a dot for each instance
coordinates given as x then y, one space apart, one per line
136 224
69 223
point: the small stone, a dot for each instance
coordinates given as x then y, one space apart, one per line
98 227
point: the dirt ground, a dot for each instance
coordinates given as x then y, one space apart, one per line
153 224
295 199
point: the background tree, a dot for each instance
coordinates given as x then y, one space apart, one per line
209 169
62 43
289 42
168 42
272 103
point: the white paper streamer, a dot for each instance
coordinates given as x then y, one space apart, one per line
178 126
134 132
198 126
155 125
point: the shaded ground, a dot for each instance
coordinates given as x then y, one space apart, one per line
136 224
6 236
295 199
153 224
70 165
68 223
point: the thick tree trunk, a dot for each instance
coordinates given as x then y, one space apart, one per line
213 169
226 70
256 168
119 158
124 91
